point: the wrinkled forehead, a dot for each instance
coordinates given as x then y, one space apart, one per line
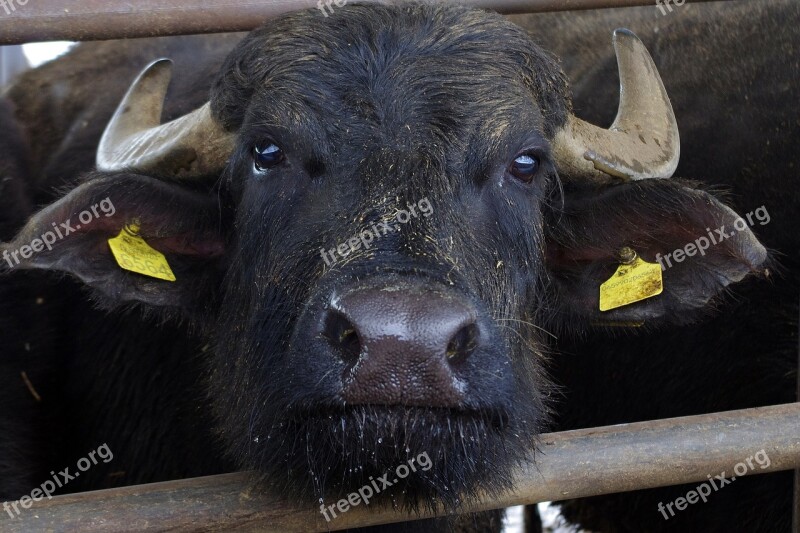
397 83
428 99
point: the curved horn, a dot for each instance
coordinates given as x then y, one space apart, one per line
642 142
191 145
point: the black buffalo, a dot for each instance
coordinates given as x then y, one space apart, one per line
283 346
732 72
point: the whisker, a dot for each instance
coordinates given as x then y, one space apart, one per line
526 322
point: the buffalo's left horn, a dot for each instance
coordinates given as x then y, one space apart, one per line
191 145
642 142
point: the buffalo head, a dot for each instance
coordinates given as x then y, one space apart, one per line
379 219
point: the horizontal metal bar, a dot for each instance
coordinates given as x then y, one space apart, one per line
570 464
86 20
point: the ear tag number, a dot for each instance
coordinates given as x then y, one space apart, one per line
634 280
134 254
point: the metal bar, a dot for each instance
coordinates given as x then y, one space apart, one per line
25 20
571 464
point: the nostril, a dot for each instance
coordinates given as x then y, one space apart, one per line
463 343
343 337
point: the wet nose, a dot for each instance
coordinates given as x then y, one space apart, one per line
403 346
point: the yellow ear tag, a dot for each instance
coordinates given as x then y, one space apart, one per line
132 253
634 280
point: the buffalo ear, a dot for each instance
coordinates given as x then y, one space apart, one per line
655 218
71 235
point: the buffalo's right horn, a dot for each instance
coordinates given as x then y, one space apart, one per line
189 146
643 141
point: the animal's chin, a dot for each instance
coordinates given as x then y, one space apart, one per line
449 456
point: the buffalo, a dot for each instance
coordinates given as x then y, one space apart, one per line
495 214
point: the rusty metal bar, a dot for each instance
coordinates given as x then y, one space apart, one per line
39 20
571 464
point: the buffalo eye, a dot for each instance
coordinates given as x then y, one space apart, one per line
524 167
267 155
